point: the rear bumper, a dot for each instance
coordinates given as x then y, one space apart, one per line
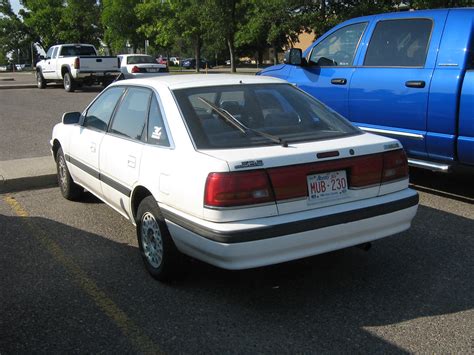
278 239
94 74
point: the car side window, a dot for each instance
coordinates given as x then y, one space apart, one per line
399 43
50 52
156 126
338 48
99 113
130 118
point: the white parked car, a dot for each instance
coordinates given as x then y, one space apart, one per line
138 65
237 171
174 61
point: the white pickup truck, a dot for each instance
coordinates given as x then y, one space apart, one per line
76 65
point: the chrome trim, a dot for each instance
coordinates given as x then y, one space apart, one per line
448 65
441 167
393 133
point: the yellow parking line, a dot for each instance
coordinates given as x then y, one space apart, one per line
140 341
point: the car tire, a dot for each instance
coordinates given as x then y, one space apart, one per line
68 81
69 189
161 257
40 81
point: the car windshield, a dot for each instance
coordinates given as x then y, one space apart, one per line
141 59
73 51
279 110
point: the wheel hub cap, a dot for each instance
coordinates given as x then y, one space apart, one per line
152 242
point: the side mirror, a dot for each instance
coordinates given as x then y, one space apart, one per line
71 117
294 56
42 57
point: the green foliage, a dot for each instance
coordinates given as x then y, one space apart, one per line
58 21
121 25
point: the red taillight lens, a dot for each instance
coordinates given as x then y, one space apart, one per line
77 63
367 171
395 165
237 189
135 69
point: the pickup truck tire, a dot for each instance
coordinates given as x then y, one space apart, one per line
68 81
40 81
161 257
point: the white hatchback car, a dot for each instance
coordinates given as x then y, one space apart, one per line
139 65
237 171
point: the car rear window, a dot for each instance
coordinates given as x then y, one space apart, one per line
140 59
278 110
73 51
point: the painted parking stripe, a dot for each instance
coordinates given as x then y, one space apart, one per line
130 330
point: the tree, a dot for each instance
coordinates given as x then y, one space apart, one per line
164 22
58 21
15 37
121 24
274 23
223 18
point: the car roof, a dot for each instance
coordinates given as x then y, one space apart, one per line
200 80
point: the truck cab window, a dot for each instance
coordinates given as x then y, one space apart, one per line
399 43
50 52
338 48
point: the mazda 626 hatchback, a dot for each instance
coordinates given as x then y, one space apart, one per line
237 171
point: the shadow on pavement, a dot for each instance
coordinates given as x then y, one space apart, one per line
319 304
457 185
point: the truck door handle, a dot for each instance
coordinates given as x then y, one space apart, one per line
132 161
93 149
339 81
98 60
415 84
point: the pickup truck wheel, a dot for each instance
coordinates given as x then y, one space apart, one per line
69 189
69 84
161 257
40 81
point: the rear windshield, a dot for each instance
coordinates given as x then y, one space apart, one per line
279 110
73 51
139 59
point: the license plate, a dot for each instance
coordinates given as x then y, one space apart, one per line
325 186
152 70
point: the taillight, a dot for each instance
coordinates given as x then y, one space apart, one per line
135 69
366 171
77 63
395 165
237 189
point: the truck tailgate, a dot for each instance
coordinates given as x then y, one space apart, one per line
99 64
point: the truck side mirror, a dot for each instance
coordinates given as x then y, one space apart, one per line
293 56
71 117
42 57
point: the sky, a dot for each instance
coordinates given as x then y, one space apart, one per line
15 5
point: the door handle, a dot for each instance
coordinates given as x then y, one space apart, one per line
339 81
132 161
93 147
417 84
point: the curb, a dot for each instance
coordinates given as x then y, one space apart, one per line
27 174
17 86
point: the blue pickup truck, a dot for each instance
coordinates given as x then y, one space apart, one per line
408 75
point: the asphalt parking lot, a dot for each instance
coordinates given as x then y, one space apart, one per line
72 280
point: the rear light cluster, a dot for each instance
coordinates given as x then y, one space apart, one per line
77 63
277 184
136 69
